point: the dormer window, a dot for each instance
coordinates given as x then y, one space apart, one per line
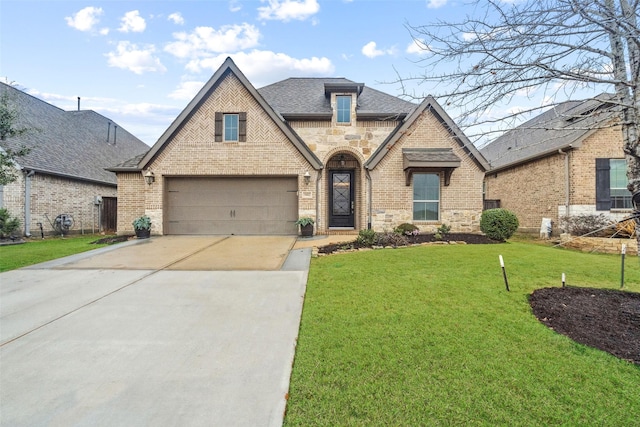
343 108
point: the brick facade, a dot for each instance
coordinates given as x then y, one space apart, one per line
192 151
52 196
537 189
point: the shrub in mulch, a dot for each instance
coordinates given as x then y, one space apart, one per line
110 240
385 239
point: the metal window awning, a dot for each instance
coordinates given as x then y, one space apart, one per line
429 160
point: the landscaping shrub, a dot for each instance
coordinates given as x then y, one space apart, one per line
8 224
366 237
593 225
407 229
498 224
391 239
442 231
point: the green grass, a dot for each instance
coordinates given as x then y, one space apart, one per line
429 336
35 251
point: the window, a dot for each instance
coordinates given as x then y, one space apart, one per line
230 127
611 185
343 109
620 196
426 197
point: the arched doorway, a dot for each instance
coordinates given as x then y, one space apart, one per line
343 175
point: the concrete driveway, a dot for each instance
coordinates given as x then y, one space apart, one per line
182 331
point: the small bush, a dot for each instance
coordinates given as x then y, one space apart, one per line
498 224
391 239
366 237
8 224
593 225
442 231
407 229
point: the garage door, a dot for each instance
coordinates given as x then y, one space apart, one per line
241 206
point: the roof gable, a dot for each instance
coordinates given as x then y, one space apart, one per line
431 105
73 144
227 67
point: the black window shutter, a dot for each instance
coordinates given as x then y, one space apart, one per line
242 127
603 185
218 127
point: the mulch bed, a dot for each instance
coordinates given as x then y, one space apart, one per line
110 240
605 319
460 238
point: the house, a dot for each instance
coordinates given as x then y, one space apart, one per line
566 161
241 160
64 172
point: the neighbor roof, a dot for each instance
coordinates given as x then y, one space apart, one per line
72 144
562 127
305 97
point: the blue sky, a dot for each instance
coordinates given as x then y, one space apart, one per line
140 62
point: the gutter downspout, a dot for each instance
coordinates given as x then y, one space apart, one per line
567 184
27 203
319 177
369 198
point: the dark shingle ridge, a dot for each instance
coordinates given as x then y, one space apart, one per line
69 143
306 95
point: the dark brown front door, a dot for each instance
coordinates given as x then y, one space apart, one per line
341 199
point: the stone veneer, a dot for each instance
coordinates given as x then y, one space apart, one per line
191 151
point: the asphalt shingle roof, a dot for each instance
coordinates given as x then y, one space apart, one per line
557 128
69 143
295 96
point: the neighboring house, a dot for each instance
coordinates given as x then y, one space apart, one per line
243 161
64 173
566 161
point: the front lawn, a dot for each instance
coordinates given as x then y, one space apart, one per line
35 251
429 336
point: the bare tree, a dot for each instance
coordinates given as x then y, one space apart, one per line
553 47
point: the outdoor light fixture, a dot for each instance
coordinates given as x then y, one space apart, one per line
149 177
342 161
307 177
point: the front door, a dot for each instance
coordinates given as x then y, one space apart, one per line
341 199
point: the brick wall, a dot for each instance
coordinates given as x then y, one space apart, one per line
52 196
537 189
191 151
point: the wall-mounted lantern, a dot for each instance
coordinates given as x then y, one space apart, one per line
149 177
307 177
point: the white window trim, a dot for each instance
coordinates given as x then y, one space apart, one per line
224 127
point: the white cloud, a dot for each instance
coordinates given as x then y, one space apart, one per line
206 40
435 4
132 21
265 67
186 90
370 50
134 58
235 6
287 10
418 47
85 19
176 18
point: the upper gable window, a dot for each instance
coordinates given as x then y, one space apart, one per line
230 127
230 131
343 108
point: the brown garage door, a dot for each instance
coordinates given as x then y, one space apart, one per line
241 206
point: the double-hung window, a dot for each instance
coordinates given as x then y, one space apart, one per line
230 127
611 185
620 196
426 197
231 124
343 108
